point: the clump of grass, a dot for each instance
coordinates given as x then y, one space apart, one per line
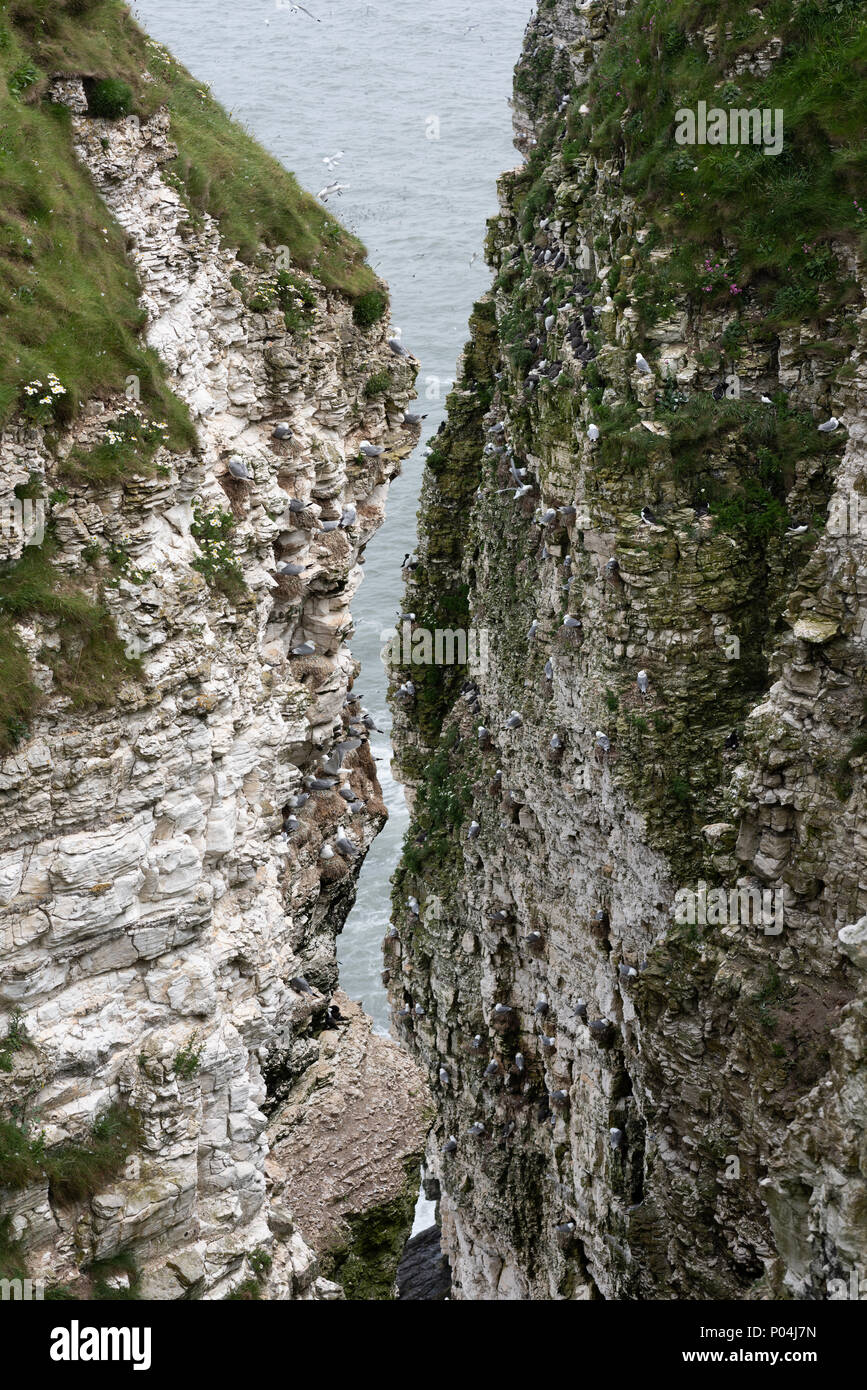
377 385
369 308
111 98
100 1272
77 1171
187 1059
12 1262
15 1039
91 665
217 560
251 1289
21 1157
127 449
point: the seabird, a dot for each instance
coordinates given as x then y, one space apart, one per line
411 419
296 505
444 1076
502 1009
330 189
514 720
648 517
477 1130
603 742
616 1135
281 431
548 1044
300 985
474 830
642 682
326 852
419 1011
450 1145
797 530
492 1068
477 1042
305 649
542 1005
613 566
559 1097
397 347
593 433
642 364
580 1010
627 972
349 516
345 845
572 622
238 469
412 904
292 569
548 516
549 670
290 823
766 400
732 740
599 1026
830 425
371 451
328 525
348 794
519 1061
534 628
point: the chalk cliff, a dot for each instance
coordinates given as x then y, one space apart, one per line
187 792
642 1095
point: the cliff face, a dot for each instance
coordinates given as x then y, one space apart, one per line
643 1091
186 800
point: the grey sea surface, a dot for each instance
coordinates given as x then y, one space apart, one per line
413 96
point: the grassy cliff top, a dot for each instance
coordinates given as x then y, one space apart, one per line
68 295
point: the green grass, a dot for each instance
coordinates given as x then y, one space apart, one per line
772 216
91 665
73 1171
378 385
12 1262
77 1171
15 1039
69 299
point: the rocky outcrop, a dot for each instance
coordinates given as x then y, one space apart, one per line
175 867
347 1144
646 1088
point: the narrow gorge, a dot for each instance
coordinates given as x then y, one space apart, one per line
626 948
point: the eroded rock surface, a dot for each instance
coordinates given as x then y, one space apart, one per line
633 1105
167 940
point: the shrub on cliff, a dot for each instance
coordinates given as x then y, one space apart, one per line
369 308
110 99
